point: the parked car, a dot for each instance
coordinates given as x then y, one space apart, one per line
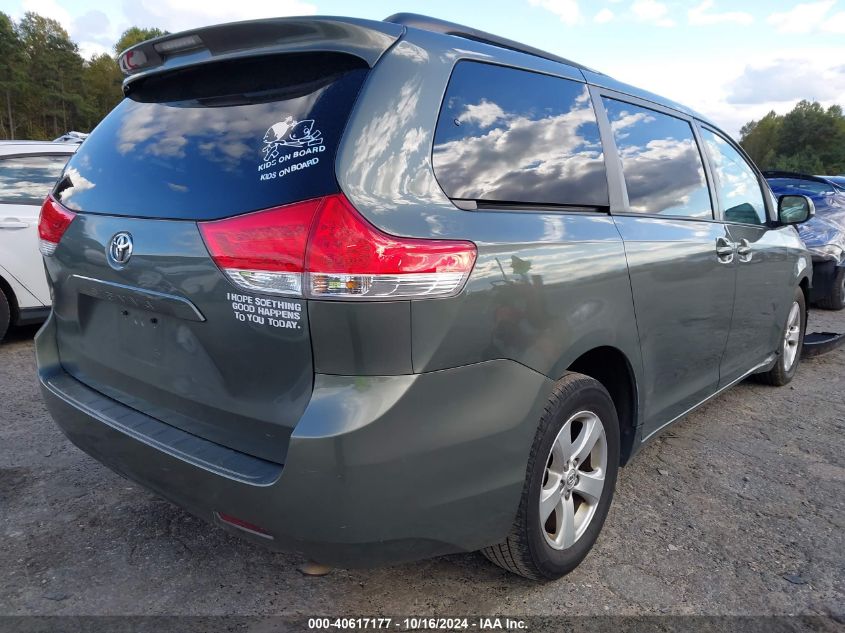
28 171
71 137
328 308
824 235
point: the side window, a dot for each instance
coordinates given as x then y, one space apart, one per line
508 135
28 179
663 170
737 183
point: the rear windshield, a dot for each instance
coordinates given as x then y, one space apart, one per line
218 140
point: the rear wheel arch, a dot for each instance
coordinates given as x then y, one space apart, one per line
6 289
612 368
8 307
804 284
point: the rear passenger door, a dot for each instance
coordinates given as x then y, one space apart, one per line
680 258
763 278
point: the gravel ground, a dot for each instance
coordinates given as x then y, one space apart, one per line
736 510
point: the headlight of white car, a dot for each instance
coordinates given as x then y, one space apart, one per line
828 251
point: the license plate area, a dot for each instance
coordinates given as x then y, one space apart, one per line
143 335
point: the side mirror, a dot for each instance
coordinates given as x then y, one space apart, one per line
794 209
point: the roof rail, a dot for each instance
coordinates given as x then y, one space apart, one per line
435 25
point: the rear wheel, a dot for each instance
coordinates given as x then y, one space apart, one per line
569 483
792 343
5 314
836 299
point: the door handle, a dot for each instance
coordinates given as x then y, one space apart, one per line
13 224
724 250
744 251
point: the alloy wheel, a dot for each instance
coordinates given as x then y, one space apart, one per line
792 337
574 480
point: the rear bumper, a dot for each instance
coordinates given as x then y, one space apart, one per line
379 469
31 316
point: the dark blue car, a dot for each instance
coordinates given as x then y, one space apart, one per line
824 234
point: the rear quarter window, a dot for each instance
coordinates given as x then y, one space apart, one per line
218 140
509 135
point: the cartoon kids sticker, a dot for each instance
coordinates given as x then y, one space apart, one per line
290 133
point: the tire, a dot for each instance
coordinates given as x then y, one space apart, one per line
836 299
784 370
5 315
528 550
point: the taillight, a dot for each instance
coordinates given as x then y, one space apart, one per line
263 251
324 249
52 224
350 258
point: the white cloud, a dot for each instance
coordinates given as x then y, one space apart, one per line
484 114
522 156
603 16
835 23
566 10
48 9
719 87
803 18
95 33
92 31
626 120
786 80
653 12
178 15
702 15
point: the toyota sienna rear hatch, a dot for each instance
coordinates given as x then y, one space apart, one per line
146 310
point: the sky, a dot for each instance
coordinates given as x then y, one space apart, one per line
731 60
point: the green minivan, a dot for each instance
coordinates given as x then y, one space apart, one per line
379 291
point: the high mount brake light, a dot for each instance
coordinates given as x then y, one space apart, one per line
324 249
52 224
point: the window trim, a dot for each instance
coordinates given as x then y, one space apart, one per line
619 203
5 157
572 74
762 184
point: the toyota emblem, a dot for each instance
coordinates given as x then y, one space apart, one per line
120 249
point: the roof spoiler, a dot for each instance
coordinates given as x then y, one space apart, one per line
365 39
426 23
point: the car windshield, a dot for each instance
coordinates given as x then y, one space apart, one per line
836 180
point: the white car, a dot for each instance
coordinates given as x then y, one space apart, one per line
28 171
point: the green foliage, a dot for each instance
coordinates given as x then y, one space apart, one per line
809 139
46 87
135 35
102 84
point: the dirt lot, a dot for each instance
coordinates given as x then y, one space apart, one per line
736 510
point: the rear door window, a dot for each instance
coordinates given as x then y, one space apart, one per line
28 179
217 140
508 135
739 189
661 162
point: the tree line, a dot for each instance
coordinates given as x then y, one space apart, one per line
808 139
46 87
